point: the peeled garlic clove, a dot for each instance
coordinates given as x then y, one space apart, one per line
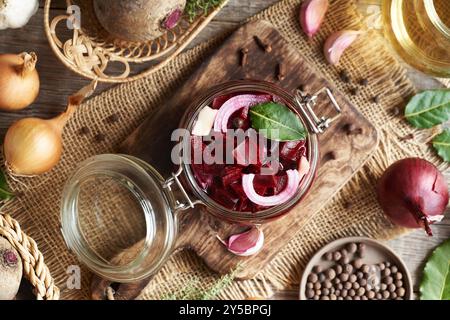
337 43
312 13
245 244
205 122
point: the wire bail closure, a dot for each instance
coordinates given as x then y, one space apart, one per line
180 205
306 103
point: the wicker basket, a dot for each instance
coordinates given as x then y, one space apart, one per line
90 50
34 268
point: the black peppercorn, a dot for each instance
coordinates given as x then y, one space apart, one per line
238 123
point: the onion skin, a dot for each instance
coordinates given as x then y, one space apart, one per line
19 81
32 146
412 193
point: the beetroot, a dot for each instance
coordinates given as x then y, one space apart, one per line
220 100
292 150
281 182
225 198
172 19
224 182
231 174
238 190
10 270
265 180
244 205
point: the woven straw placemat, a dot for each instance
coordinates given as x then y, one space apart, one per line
354 211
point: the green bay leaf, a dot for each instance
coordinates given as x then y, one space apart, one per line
429 108
5 192
441 144
277 122
435 283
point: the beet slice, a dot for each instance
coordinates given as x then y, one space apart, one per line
220 100
230 175
293 150
268 181
225 198
281 182
238 189
244 205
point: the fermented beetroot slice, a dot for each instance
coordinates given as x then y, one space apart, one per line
223 182
260 189
225 198
220 100
293 150
231 175
257 207
238 189
204 180
244 205
267 181
281 182
214 169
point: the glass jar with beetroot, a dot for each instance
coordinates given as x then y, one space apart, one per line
246 152
253 150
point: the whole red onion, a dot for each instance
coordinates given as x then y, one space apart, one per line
413 193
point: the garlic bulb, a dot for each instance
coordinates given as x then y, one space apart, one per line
16 13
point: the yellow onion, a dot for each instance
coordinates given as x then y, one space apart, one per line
33 146
19 81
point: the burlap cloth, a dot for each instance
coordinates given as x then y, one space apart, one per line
354 211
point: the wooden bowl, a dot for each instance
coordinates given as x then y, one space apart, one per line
376 252
90 50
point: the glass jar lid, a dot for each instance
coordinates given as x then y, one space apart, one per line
114 203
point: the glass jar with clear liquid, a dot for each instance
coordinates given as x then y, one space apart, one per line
419 30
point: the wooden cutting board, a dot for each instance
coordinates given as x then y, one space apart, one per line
343 152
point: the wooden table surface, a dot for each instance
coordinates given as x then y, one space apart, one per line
57 83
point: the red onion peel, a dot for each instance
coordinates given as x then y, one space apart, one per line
413 193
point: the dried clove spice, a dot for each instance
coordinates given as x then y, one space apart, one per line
244 56
348 205
409 136
281 72
354 91
84 131
364 82
395 111
112 118
267 47
100 137
376 99
344 76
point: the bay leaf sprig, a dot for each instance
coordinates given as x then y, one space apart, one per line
428 109
5 192
435 283
277 122
441 143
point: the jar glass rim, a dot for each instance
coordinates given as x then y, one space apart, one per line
436 19
312 149
139 267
